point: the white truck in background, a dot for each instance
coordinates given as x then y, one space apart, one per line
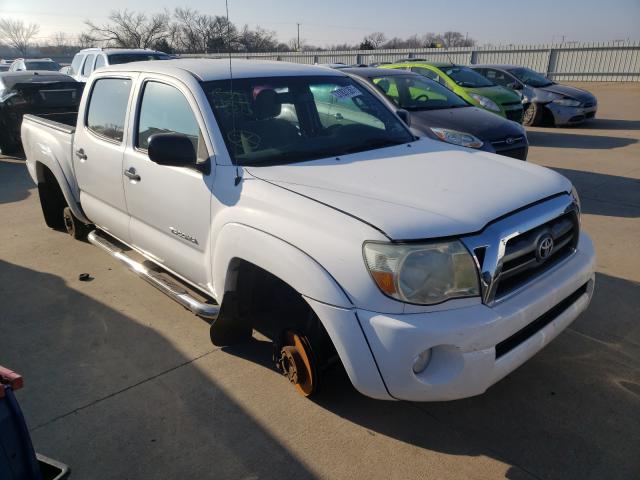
429 271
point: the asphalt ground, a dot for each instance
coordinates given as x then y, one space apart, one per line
123 383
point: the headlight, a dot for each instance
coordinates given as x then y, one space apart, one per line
576 198
457 138
567 102
423 274
485 102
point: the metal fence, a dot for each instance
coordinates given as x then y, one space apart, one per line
590 62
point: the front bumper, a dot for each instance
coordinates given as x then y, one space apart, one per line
571 115
463 341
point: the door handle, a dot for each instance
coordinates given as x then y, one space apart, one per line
80 154
132 175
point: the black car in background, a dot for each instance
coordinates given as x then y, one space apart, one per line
545 102
36 93
437 112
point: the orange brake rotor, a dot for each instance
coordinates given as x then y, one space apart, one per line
298 352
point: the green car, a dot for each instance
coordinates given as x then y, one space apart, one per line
470 85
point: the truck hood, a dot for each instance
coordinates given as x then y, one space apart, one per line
425 190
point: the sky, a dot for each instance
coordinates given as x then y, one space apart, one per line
325 22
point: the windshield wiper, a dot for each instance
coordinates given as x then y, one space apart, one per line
372 145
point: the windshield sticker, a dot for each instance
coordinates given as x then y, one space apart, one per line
346 92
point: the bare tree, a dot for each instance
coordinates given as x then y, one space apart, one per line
86 41
60 40
376 39
18 34
258 40
456 39
193 32
128 29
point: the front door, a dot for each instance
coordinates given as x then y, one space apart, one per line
169 206
98 149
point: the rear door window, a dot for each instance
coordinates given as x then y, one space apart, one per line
100 62
108 108
88 65
497 77
76 65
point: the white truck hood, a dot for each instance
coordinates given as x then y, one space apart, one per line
425 190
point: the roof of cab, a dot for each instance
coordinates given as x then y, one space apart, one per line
499 66
205 69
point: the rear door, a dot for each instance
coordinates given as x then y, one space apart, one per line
98 152
170 207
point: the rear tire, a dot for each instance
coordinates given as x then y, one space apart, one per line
52 202
74 226
532 115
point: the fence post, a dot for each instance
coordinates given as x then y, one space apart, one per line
551 63
473 57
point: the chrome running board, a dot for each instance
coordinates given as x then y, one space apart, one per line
165 285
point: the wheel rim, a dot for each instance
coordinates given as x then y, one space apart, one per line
528 114
296 363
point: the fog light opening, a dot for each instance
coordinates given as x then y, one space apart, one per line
421 361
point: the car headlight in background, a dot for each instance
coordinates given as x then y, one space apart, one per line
424 273
566 102
457 138
485 102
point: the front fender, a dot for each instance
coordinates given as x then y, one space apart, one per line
285 261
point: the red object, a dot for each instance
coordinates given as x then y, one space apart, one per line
11 378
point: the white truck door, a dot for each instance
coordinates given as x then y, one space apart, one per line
98 151
169 207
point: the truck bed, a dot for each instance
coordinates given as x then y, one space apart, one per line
64 122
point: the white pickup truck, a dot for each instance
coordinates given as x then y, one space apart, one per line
428 271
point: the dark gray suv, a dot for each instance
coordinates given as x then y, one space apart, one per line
544 101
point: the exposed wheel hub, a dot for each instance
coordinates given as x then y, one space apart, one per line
294 359
68 221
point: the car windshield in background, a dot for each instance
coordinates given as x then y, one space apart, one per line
530 77
51 66
465 77
414 92
119 58
278 120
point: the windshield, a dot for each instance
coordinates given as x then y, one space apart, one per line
530 77
51 66
119 58
414 92
465 77
278 120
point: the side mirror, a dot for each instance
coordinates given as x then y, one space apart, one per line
172 149
404 116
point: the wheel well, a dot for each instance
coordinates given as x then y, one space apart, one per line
271 306
546 119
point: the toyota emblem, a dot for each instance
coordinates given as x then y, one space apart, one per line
545 247
510 140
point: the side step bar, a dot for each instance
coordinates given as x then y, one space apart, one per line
166 286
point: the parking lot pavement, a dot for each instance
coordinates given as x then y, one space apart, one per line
121 382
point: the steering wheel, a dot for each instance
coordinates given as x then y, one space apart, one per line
422 98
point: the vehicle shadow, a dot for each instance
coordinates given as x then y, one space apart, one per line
112 398
608 195
554 139
15 183
611 124
568 413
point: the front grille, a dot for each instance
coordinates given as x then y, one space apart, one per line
519 153
515 115
539 323
520 263
590 115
